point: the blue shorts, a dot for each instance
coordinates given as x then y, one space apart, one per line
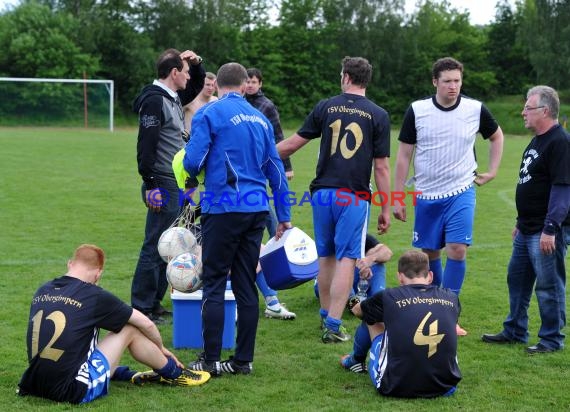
98 376
340 223
377 362
442 221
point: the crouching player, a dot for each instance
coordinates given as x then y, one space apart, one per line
412 328
67 361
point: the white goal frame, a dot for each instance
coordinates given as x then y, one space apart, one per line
109 85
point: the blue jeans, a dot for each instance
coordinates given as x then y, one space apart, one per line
149 281
529 268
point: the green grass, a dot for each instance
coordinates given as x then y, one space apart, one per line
62 187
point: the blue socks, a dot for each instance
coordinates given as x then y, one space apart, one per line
170 370
263 286
123 373
362 343
454 274
324 313
332 323
437 269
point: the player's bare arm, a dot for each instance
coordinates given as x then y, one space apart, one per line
287 147
146 326
382 180
403 159
495 155
378 254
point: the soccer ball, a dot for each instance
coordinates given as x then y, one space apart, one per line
184 273
174 242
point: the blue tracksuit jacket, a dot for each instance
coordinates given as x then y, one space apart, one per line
234 143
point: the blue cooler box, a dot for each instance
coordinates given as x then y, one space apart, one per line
290 261
187 320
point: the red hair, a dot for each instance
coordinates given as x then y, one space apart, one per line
90 255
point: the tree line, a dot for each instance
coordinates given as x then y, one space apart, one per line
298 45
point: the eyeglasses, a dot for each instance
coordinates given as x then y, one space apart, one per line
528 108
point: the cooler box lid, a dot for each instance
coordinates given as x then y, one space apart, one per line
299 248
176 295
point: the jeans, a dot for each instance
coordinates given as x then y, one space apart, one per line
529 268
149 281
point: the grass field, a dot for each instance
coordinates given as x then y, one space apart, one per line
60 188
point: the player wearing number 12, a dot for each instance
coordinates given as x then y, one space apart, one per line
355 135
67 360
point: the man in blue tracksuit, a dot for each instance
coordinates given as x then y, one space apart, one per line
234 143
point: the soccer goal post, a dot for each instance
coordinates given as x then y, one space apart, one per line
19 101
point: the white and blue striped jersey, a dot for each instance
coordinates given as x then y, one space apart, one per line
444 139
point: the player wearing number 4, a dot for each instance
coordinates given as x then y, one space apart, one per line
412 327
67 361
355 136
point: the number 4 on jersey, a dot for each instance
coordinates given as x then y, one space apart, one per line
432 339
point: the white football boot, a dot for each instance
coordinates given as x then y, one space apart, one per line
279 311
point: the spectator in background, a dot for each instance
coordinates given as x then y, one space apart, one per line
205 96
255 96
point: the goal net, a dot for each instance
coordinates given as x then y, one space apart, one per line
56 102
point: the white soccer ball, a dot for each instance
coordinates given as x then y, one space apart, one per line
184 273
175 241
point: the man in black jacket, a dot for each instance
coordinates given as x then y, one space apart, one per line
161 136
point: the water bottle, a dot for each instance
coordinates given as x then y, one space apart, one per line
362 287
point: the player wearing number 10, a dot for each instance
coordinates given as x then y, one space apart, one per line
355 135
